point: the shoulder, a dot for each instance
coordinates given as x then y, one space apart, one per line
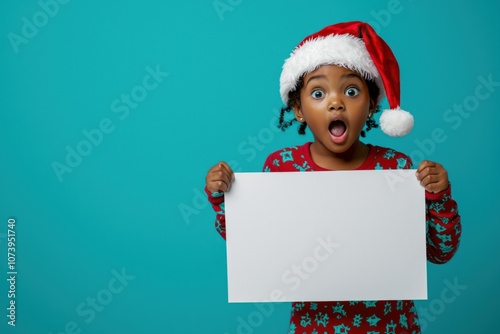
286 158
388 158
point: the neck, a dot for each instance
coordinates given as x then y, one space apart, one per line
350 159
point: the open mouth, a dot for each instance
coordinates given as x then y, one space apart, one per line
337 128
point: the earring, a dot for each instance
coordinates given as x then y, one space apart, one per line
370 115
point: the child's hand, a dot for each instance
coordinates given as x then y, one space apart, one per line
219 177
432 176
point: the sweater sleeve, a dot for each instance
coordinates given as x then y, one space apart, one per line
216 199
443 226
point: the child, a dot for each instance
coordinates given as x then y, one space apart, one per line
333 82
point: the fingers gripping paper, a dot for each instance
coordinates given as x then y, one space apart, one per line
326 236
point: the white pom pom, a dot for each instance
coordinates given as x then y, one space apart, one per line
396 122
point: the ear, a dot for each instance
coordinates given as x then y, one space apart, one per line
373 107
299 116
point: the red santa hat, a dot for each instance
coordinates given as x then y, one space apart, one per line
356 46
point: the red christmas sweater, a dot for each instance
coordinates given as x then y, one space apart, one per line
367 317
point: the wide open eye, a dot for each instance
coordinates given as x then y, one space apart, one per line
317 94
352 91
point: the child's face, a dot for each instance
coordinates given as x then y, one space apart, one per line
335 103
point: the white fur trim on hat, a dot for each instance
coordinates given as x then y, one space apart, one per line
396 122
343 50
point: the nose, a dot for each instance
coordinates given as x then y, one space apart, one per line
335 103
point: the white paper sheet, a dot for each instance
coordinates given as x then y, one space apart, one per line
326 236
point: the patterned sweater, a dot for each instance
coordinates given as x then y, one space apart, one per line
367 317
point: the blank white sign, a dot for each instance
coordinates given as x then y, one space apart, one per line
326 236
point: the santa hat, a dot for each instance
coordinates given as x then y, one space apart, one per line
356 46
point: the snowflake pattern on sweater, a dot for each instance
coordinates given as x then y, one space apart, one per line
367 317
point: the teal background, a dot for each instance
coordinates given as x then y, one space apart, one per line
135 203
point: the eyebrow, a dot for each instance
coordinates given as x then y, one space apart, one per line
321 76
352 75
